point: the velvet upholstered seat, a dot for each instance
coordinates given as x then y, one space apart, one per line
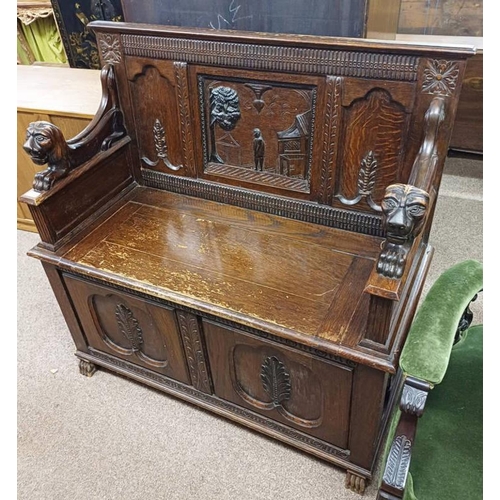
443 460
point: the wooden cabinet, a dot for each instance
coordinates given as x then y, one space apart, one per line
66 97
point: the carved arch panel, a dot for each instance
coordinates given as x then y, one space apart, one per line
129 328
372 144
162 115
294 388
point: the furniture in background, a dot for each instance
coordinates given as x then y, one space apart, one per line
442 365
245 223
37 36
72 18
66 97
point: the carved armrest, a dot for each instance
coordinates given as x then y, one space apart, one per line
405 207
398 455
46 145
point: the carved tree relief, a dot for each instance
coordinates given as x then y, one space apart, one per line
366 182
161 148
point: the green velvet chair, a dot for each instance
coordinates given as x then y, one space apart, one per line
442 367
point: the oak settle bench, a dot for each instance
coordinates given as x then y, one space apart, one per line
244 224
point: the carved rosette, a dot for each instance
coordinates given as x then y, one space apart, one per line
440 77
110 49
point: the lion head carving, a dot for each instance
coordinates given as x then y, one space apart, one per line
45 144
404 208
224 107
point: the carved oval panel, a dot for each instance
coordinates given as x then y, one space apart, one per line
267 380
128 330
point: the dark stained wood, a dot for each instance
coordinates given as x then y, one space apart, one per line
131 329
225 249
294 388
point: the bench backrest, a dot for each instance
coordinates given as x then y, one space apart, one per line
305 127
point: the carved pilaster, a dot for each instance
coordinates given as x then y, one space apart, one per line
195 352
87 368
330 136
184 115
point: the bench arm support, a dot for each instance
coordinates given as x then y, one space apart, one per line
405 207
46 145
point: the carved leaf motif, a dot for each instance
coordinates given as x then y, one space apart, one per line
398 462
129 326
276 380
159 137
366 177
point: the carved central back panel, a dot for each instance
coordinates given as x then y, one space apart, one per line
325 129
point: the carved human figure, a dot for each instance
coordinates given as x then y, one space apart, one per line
404 208
45 144
259 149
225 112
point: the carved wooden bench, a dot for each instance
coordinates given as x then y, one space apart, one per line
245 223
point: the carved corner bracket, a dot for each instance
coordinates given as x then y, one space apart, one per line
404 210
414 396
46 145
366 183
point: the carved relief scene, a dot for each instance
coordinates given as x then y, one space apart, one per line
258 131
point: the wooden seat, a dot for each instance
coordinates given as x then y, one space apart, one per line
245 223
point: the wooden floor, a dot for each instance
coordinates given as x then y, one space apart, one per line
286 273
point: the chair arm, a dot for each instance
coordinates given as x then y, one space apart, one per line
45 143
405 207
428 346
395 477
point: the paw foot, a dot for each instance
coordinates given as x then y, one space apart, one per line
87 368
355 483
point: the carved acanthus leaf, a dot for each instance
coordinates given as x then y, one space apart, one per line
276 380
366 177
398 462
413 400
129 326
160 143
